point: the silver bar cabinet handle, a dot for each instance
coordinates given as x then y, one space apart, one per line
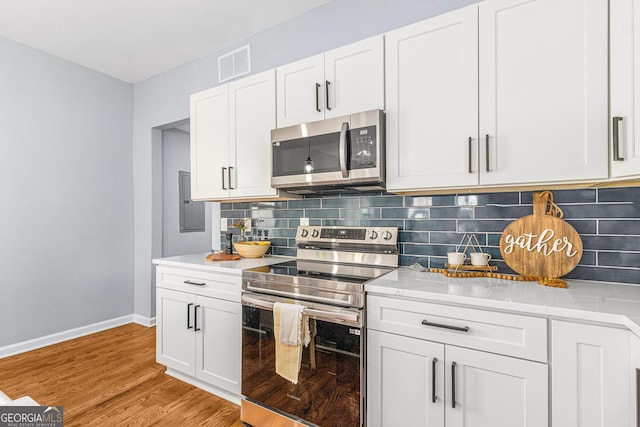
486 143
317 96
470 149
326 93
616 139
442 325
230 169
223 174
434 361
343 149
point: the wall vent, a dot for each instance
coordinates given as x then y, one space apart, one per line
234 64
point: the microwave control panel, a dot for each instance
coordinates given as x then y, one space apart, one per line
363 148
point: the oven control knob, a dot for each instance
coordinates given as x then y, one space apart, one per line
373 235
304 232
315 233
387 235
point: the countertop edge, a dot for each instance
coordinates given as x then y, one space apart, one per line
198 262
552 312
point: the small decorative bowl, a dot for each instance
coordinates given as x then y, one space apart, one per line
252 249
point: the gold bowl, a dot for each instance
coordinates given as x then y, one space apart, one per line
252 249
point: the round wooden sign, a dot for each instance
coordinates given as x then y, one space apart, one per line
541 244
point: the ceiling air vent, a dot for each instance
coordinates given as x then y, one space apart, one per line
234 64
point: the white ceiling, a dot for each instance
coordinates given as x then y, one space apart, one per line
133 40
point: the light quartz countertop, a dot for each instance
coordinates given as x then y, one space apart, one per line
198 261
610 303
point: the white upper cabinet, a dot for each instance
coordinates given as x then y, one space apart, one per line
625 88
231 139
543 90
336 83
252 114
432 102
300 96
210 143
354 78
502 92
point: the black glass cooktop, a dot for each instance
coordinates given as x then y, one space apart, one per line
323 271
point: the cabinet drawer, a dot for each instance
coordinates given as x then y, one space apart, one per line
509 334
206 283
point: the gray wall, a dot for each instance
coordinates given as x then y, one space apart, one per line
175 157
66 242
165 98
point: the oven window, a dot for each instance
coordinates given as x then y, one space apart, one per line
328 389
289 156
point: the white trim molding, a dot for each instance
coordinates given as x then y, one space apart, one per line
33 344
226 395
144 321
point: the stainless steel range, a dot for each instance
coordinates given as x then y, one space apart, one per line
328 277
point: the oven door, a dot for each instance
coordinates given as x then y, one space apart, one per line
330 383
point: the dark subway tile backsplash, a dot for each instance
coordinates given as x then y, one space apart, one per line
624 227
608 221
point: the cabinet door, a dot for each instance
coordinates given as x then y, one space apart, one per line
354 78
543 90
399 381
493 390
635 380
300 91
210 144
252 114
432 102
218 343
625 86
590 381
175 341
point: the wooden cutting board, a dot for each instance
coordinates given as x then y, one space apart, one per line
542 244
221 256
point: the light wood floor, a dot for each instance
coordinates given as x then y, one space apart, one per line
111 379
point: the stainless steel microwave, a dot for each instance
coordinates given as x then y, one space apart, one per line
345 152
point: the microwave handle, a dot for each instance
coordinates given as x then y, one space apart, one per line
343 149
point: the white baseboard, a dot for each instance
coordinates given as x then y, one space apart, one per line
144 321
58 337
226 395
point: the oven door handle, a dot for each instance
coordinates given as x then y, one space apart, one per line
288 294
333 316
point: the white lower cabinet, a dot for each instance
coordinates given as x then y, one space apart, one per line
401 384
635 380
494 390
198 334
420 382
490 390
218 361
591 382
175 340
